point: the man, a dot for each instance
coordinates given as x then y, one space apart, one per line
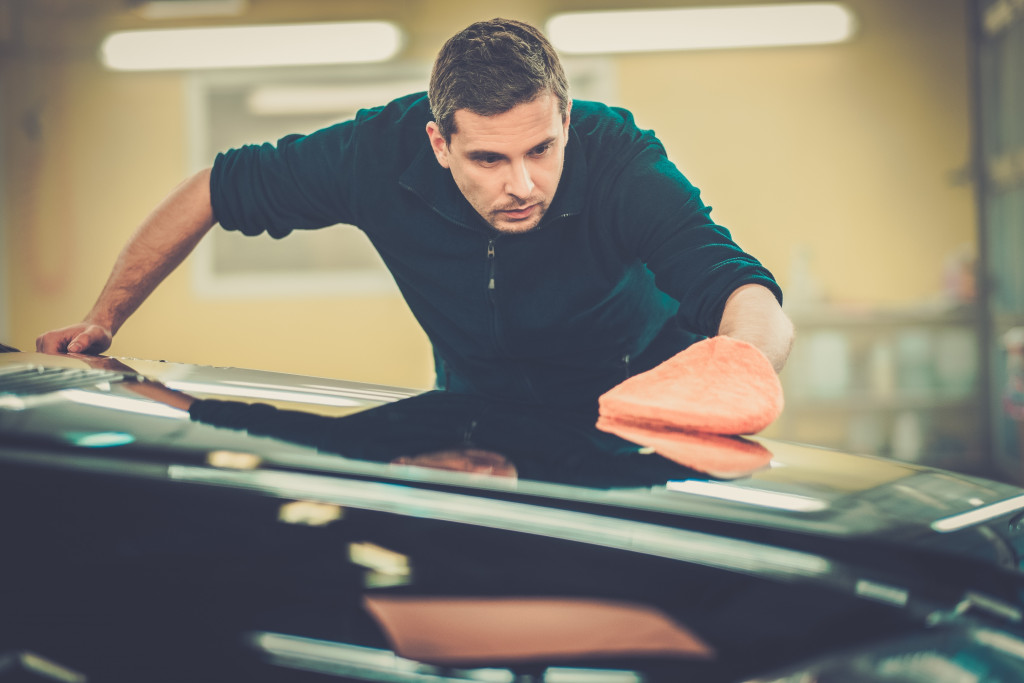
549 249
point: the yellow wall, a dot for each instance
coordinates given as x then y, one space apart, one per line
848 152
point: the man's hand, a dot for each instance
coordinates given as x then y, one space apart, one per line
80 338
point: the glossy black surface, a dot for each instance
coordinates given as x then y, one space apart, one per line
142 544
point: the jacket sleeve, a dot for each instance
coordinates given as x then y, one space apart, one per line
301 182
660 218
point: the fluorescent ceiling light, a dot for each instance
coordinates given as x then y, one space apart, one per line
701 28
251 46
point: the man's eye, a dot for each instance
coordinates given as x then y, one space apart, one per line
538 151
490 159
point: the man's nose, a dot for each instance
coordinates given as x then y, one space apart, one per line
519 183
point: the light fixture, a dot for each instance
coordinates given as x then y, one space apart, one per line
701 28
251 46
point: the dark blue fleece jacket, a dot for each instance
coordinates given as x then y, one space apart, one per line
625 269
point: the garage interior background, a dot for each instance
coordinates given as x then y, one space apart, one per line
846 168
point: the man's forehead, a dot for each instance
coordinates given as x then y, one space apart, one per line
532 122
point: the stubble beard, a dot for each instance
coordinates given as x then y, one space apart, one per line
502 223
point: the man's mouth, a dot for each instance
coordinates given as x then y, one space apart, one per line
518 214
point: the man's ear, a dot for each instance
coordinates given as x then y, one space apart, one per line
438 144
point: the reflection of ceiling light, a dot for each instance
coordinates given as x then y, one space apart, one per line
750 496
701 28
365 663
638 537
355 661
1001 641
979 515
276 100
123 403
251 46
99 439
266 394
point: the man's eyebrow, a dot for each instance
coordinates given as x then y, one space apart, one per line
477 154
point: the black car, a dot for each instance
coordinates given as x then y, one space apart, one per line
169 522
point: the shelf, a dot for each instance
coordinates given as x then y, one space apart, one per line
897 382
864 404
839 317
1004 321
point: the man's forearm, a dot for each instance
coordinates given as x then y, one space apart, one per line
157 247
752 314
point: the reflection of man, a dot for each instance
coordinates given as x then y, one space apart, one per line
548 248
465 459
329 434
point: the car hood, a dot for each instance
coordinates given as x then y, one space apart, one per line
321 526
93 404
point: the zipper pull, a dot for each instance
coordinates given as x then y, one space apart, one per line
490 260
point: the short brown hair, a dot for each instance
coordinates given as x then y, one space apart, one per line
490 67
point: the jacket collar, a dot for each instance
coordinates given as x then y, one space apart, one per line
435 186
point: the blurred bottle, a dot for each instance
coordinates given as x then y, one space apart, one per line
1013 393
803 290
959 276
908 439
882 368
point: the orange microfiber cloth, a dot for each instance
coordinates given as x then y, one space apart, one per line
719 385
691 407
725 457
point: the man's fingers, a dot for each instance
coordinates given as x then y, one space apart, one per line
91 340
81 342
51 342
75 339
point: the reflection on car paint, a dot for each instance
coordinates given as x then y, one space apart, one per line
123 404
681 544
748 495
223 389
978 516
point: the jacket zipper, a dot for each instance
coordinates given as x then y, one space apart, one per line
467 436
491 294
490 269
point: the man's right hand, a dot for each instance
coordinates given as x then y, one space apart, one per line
80 338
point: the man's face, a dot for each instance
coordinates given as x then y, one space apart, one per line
507 165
